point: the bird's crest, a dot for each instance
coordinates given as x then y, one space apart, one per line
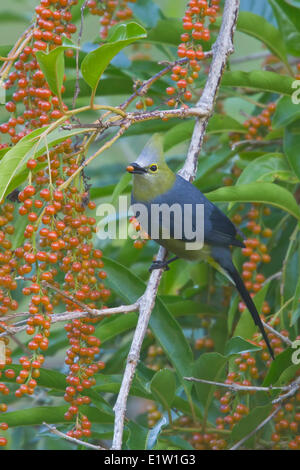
152 152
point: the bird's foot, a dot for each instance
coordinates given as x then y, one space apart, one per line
159 265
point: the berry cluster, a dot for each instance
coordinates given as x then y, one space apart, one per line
52 23
140 242
286 425
286 420
111 13
257 126
196 30
59 230
81 360
32 103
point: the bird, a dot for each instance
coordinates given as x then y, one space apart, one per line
154 183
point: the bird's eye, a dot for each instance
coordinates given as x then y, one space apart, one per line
153 168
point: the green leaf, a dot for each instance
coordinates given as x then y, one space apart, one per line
286 113
288 19
167 31
110 86
114 326
178 133
268 193
13 169
246 326
295 305
267 168
137 436
238 345
163 387
209 163
180 308
3 152
165 328
34 416
291 146
52 65
248 424
120 188
94 63
57 381
260 80
209 366
259 28
18 236
282 362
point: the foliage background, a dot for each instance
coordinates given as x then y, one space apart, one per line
194 302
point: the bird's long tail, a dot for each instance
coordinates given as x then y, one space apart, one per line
233 273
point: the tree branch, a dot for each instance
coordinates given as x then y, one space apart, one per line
72 439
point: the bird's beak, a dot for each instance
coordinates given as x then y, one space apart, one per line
136 169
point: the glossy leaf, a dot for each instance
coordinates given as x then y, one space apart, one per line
209 366
278 366
209 163
248 424
137 436
295 305
120 188
267 168
267 193
246 326
57 381
115 325
260 80
288 19
52 65
13 169
286 113
163 387
291 146
165 328
167 31
218 124
259 28
35 416
95 63
238 345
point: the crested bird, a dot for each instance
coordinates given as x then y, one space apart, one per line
155 184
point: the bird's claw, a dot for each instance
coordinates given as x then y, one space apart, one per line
159 265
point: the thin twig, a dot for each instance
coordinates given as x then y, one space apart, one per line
72 439
255 143
67 316
293 388
260 426
283 338
237 387
144 88
12 337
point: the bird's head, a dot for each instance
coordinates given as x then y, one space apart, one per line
152 176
